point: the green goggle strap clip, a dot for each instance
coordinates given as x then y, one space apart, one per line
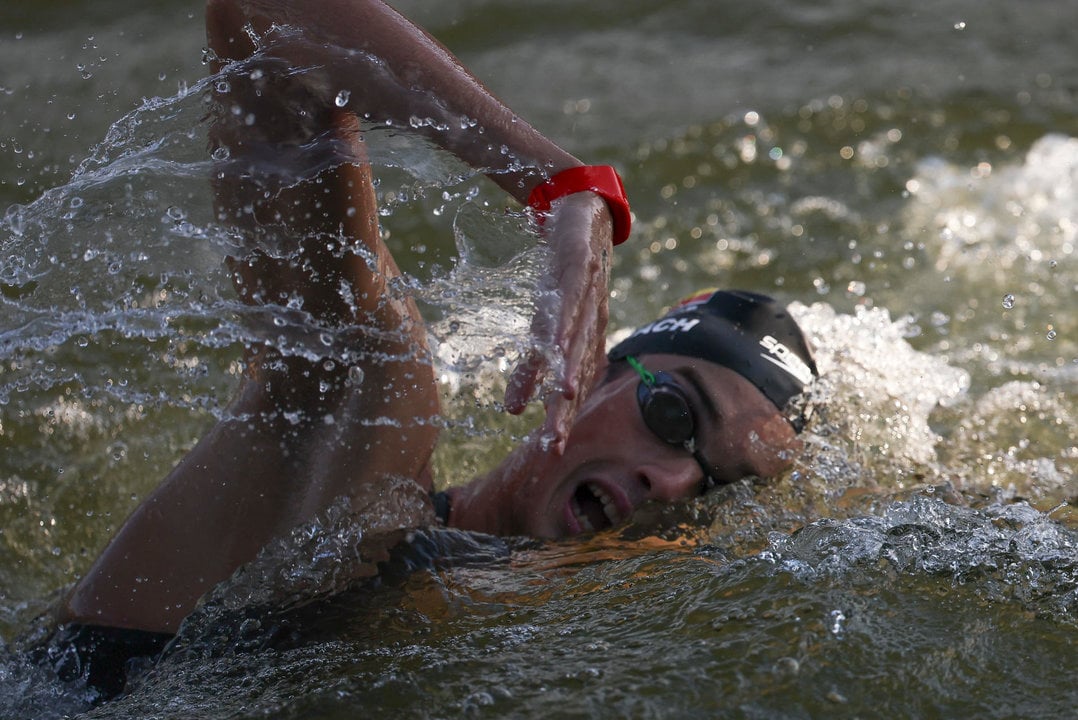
644 373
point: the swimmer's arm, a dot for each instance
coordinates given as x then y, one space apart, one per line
301 431
426 81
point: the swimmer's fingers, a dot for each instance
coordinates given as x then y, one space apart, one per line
578 367
580 363
527 377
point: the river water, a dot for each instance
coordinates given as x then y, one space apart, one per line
905 175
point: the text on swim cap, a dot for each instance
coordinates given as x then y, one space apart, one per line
786 359
673 324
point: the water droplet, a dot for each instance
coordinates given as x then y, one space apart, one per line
855 288
342 98
787 666
960 25
1008 301
256 74
249 628
836 697
355 375
1051 335
118 451
838 618
222 87
221 153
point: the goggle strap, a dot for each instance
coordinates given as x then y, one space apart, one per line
642 371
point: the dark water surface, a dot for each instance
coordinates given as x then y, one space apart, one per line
906 174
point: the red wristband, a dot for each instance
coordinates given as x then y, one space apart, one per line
602 180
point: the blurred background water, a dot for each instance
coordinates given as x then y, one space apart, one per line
904 174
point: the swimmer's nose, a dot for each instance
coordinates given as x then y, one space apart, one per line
671 479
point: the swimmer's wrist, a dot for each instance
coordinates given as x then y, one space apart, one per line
603 180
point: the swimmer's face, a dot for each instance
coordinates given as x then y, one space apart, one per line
613 462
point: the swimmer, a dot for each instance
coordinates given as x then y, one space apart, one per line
697 398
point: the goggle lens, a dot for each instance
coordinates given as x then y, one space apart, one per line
665 410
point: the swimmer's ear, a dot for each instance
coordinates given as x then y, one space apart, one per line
771 446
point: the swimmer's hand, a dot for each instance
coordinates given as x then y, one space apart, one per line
569 325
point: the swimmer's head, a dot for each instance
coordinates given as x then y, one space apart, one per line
698 398
747 332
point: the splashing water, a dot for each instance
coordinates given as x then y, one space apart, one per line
121 326
990 224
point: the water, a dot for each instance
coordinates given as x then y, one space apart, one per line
905 175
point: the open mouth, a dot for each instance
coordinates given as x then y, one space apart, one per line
593 508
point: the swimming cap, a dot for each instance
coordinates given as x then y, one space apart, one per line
749 333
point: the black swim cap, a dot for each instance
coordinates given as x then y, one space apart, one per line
749 333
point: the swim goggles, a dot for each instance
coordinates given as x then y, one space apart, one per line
668 414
